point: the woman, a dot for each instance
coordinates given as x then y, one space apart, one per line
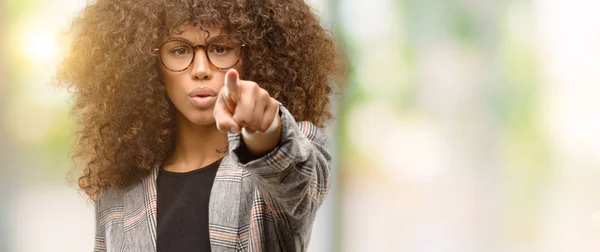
199 122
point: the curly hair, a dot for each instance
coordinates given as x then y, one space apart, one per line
123 116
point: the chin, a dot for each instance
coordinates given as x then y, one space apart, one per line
202 118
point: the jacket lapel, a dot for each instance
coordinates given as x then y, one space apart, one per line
224 205
140 215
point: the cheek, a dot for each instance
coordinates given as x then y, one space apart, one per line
170 82
168 77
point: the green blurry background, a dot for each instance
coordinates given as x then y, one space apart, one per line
464 125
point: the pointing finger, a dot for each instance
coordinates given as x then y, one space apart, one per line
224 121
231 84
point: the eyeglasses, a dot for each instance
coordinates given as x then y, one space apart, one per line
177 55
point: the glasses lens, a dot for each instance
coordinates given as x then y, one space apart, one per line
223 52
176 55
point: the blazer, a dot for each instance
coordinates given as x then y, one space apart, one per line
267 204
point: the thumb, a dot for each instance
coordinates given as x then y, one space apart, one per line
231 84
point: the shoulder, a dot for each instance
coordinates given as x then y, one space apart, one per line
110 198
129 195
109 209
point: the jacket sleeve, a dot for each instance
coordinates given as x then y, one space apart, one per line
294 177
99 240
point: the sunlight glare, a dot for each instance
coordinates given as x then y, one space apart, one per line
39 45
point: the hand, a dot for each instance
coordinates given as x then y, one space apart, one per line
243 105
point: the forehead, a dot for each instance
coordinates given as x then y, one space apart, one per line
197 33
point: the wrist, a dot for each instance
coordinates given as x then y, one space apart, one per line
262 142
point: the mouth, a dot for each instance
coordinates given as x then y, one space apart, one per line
202 92
202 97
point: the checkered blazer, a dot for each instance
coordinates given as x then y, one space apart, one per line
267 204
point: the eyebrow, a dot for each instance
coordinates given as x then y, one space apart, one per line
207 40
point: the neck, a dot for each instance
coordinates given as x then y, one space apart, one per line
196 146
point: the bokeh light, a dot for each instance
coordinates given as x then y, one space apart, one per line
39 45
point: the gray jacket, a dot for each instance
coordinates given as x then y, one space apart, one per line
267 204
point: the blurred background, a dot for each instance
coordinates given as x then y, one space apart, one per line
464 125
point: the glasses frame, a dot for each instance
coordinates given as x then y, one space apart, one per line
195 48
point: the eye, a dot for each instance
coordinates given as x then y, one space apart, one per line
219 49
180 50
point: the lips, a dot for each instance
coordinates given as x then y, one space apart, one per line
202 92
203 97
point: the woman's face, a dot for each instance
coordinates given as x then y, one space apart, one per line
194 91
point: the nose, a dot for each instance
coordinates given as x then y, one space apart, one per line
201 68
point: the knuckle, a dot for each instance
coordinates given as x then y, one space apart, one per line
241 119
263 93
256 125
221 122
222 125
264 128
255 87
250 85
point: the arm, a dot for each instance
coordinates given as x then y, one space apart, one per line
289 161
294 176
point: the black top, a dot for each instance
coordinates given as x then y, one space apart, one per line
182 209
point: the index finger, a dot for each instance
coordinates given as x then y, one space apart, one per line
224 120
231 84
